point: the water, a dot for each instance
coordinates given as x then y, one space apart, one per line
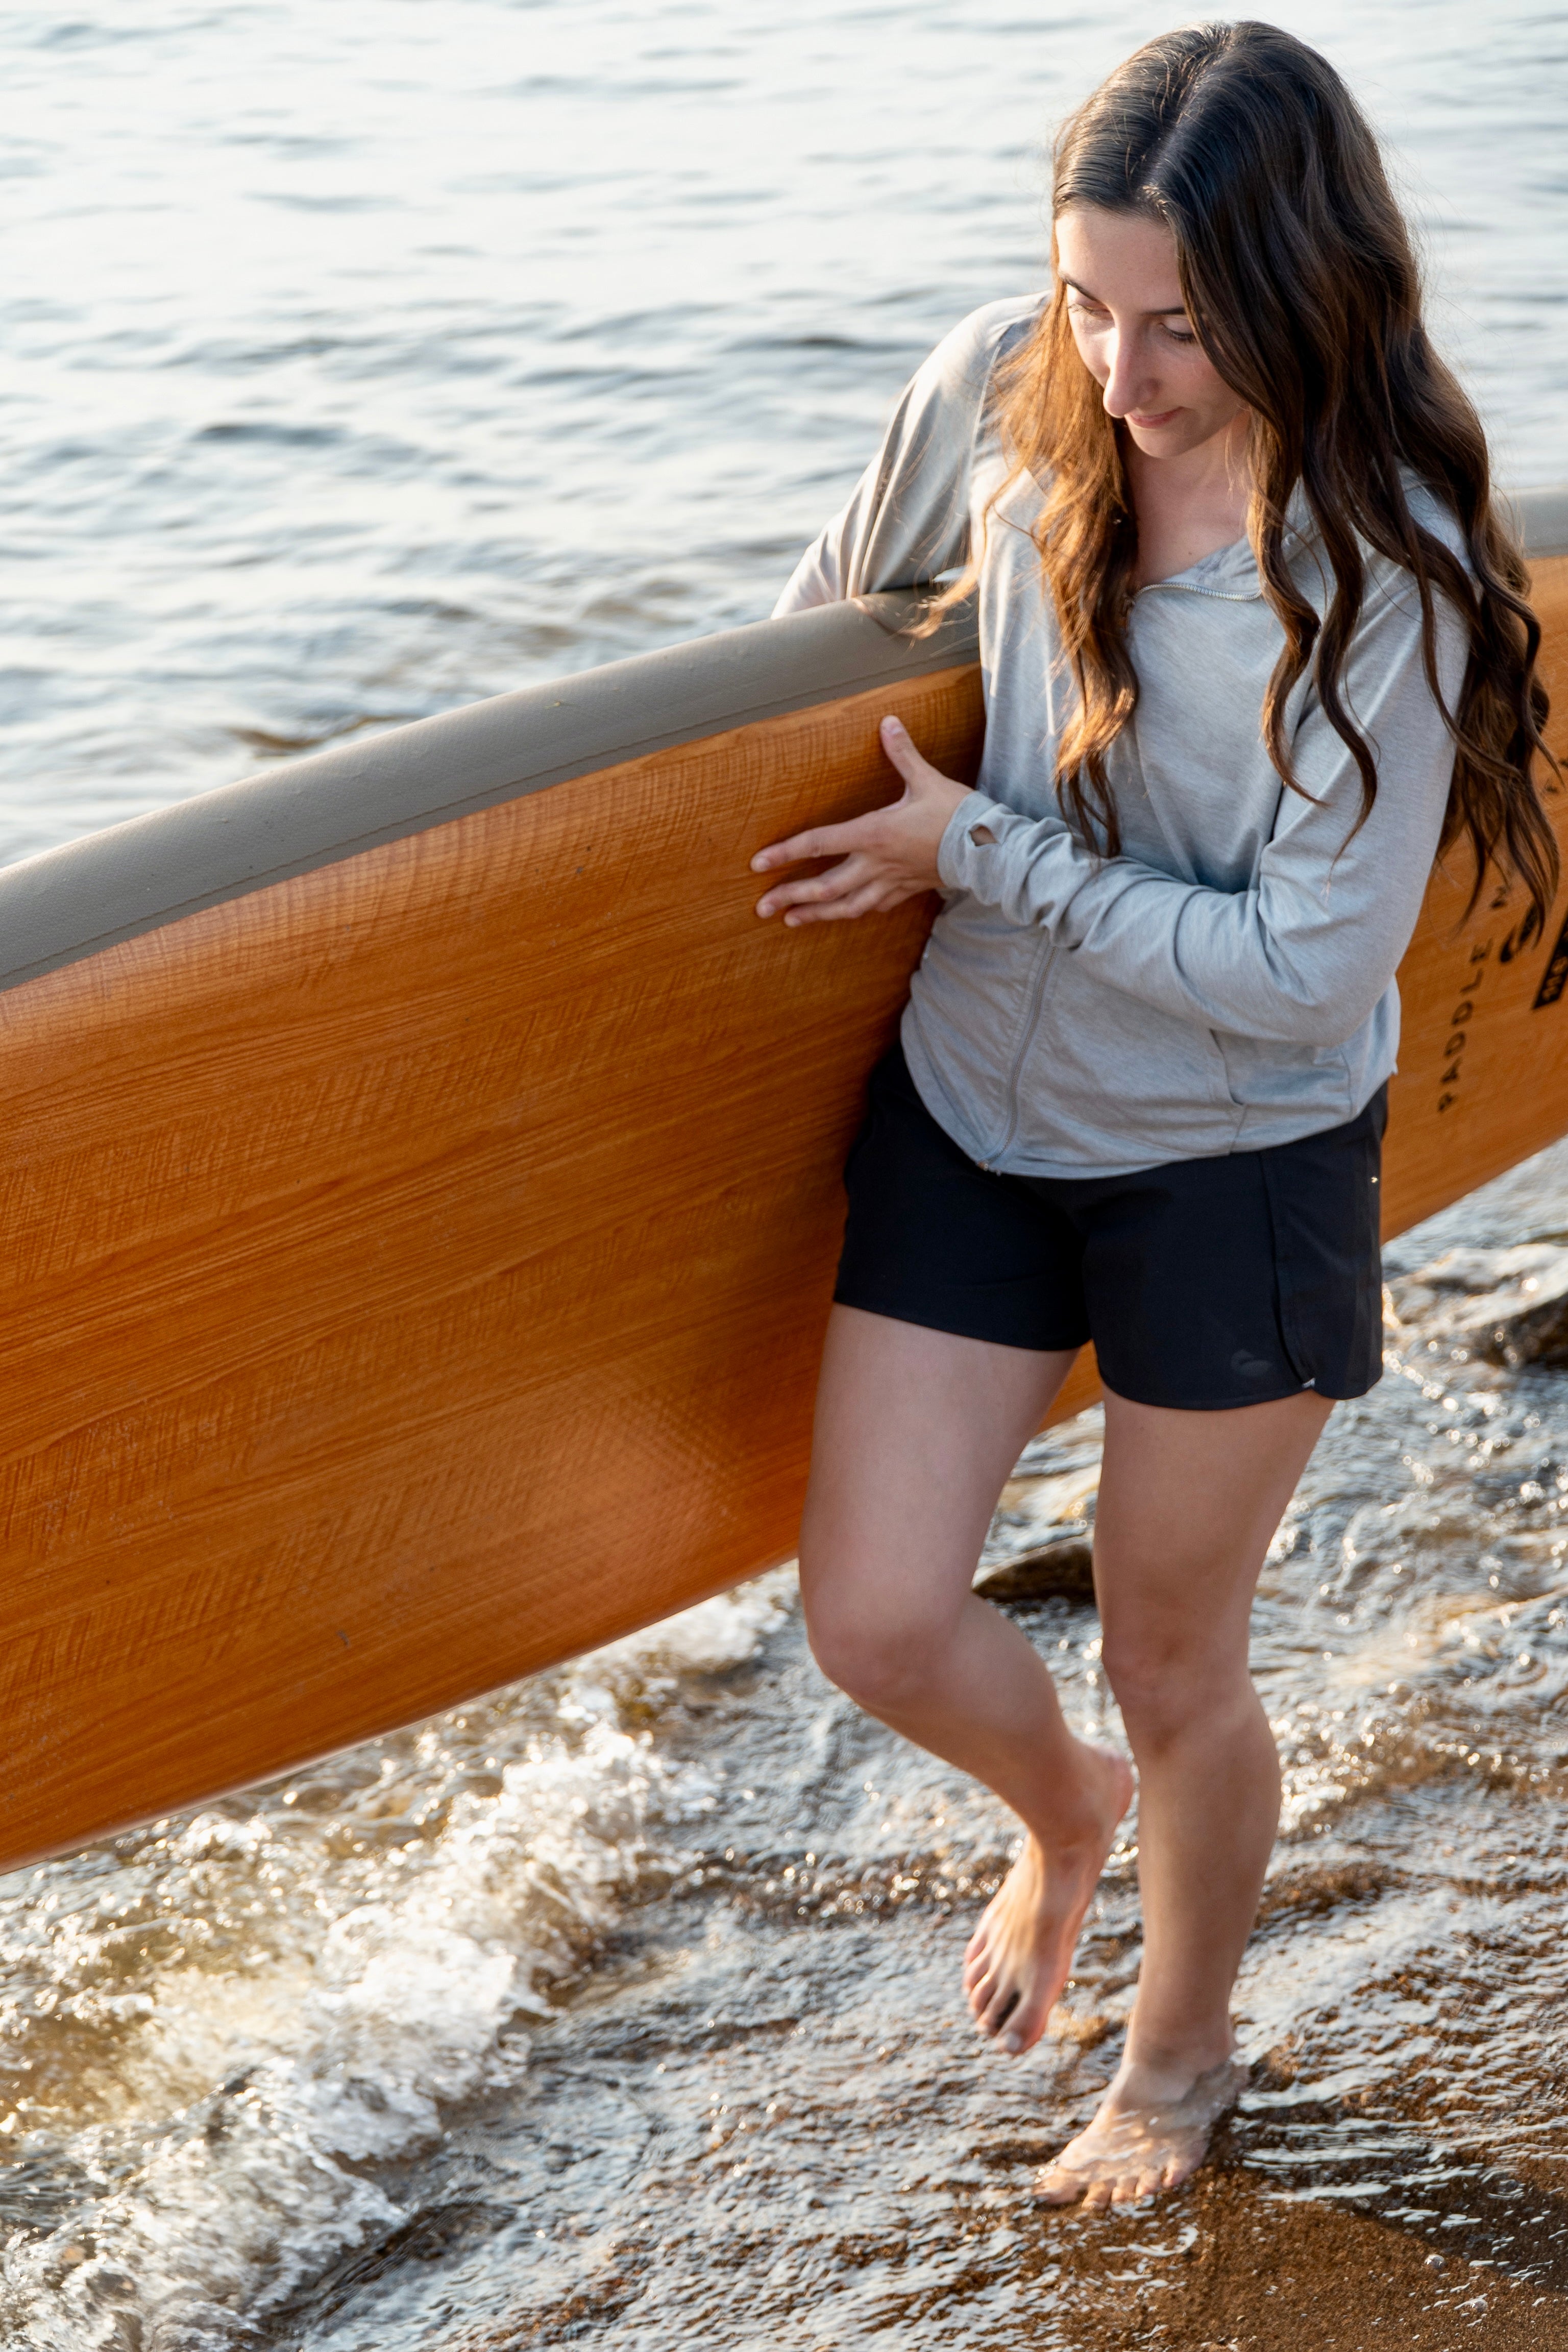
370 359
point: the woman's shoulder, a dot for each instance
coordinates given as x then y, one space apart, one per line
966 358
1390 575
1433 513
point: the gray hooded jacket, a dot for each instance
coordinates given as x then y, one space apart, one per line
1225 982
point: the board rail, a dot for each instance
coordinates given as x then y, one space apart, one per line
421 1185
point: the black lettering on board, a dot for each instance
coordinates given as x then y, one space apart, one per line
1555 979
1460 1018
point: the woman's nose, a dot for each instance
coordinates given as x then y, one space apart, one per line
1127 385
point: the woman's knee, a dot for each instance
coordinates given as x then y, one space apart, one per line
883 1657
1166 1687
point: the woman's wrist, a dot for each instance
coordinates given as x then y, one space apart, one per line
976 824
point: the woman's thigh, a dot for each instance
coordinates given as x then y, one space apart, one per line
917 1431
1188 1504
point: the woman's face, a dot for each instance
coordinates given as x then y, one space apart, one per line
1129 322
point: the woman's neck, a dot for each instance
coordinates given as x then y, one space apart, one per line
1189 506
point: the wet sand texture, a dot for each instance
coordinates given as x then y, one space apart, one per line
759 2179
358 1224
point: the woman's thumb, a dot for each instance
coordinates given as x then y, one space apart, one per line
898 745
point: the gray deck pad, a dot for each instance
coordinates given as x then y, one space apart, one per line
73 902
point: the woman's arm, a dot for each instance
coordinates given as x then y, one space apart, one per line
1304 954
908 518
1301 957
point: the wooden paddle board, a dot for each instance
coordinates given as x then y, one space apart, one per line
420 1180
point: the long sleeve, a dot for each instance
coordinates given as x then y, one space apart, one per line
1303 954
907 519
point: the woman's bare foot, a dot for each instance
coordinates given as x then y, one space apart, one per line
1151 2133
1019 1956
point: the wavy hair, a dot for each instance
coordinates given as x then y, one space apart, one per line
1301 283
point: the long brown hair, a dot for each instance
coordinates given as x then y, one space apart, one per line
1297 270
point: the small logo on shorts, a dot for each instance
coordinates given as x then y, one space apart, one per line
1249 1367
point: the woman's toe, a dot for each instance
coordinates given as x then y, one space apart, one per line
1002 2003
1004 2022
1028 2022
988 2019
989 1991
1015 2036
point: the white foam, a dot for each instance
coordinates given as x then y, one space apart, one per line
351 2023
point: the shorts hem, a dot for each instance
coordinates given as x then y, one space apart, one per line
1233 1403
955 1324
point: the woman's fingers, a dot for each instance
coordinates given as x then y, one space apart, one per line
850 873
883 857
822 841
859 831
873 897
836 896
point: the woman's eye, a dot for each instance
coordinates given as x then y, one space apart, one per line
1181 334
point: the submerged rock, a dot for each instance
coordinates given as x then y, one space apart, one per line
1508 1305
1040 1544
1062 1567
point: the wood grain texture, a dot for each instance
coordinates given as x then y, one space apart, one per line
1483 1065
417 1268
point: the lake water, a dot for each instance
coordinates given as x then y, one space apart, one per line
368 359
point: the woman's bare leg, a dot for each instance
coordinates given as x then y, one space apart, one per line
1188 1503
917 1432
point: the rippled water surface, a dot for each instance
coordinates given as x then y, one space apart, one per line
368 358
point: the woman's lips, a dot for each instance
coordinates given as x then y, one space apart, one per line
1164 417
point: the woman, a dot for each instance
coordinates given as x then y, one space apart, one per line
1256 650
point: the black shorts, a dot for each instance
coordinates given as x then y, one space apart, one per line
1203 1283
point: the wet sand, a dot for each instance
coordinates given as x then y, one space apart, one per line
752 2129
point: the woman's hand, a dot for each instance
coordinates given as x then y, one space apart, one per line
884 858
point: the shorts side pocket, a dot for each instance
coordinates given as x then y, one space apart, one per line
1324 1198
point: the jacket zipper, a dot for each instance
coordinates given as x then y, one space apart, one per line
1189 588
1048 945
1044 961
